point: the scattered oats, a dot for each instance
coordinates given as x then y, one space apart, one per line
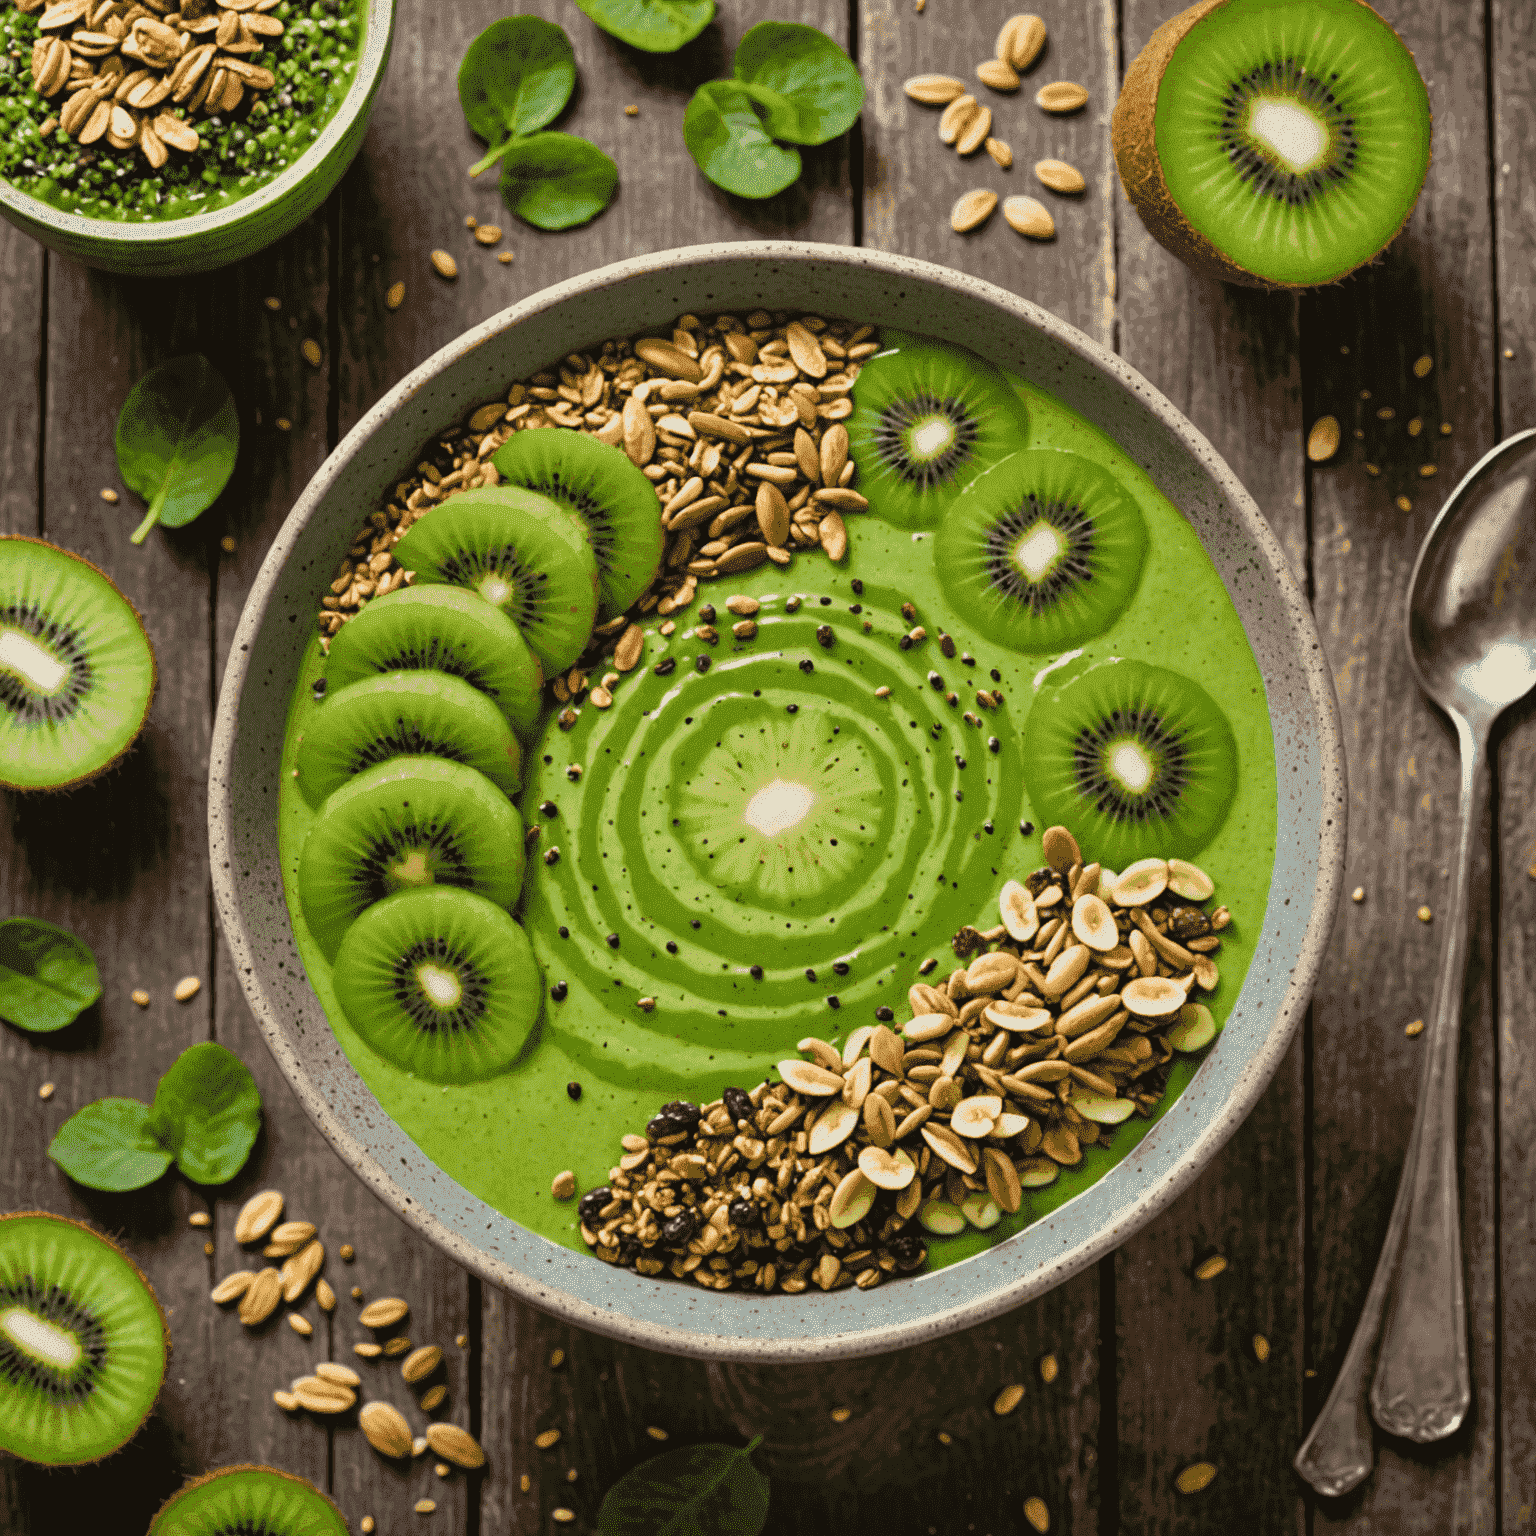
1445 429
546 1438
197 1218
394 296
488 234
425 1506
366 1525
563 1185
283 424
1008 1399
442 1469
1037 1514
227 544
1427 470
300 1325
1323 439
563 1515
1414 1029
444 265
462 1340
841 1415
1424 914
656 1432
1001 151
504 257
1404 505
186 989
631 110
1209 1268
525 1483
1422 366
1048 1369
1260 1348
972 210
274 304
556 1359
1193 1478
945 1438
110 496
1059 176
46 1091
471 222
140 996
1358 894
1509 351
347 1252
312 353
207 1250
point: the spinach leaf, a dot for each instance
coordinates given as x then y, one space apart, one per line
207 1113
555 180
109 1145
809 88
658 26
701 1490
517 76
178 436
48 978
729 143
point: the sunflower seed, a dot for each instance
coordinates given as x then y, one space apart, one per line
444 265
420 1363
934 90
1059 176
807 1078
300 1325
1029 217
1002 1183
1139 883
328 1370
955 118
299 1270
976 133
1193 1478
456 1445
851 1200
1061 96
1007 1400
999 74
833 1127
384 1313
232 1287
833 533
1000 151
972 209
1037 1514
261 1298
385 1429
433 1397
1021 40
948 1146
1323 439
1152 997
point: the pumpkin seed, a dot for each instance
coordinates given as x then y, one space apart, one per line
1002 1180
1103 1110
808 1079
852 1199
972 210
940 1218
948 1146
1195 1030
834 1126
1189 881
879 1121
1139 883
980 1210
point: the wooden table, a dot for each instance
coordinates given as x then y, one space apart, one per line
1156 1368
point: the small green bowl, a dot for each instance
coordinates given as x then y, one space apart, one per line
203 241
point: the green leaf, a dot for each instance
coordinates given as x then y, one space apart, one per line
178 436
658 26
701 1490
809 88
555 180
517 76
48 978
729 143
207 1111
109 1145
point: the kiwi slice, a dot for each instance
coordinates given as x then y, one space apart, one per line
1043 551
1137 760
442 629
83 1342
523 554
248 1501
440 982
409 822
1277 143
928 419
406 714
76 670
614 505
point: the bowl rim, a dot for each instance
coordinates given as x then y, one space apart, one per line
372 57
820 1333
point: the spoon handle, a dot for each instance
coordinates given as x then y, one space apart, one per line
1423 1384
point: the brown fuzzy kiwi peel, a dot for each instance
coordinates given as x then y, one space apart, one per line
154 681
247 1466
165 1327
1133 138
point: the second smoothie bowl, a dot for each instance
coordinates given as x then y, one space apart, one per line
766 773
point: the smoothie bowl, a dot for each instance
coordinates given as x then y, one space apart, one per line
768 772
159 138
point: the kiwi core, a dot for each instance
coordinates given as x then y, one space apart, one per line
778 806
439 985
1129 765
1040 550
1289 132
31 662
31 1334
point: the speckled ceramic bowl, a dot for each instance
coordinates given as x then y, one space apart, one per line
889 290
175 247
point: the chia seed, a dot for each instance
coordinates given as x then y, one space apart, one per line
573 1091
558 991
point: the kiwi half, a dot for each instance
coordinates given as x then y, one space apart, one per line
928 419
83 1342
1139 761
412 821
522 553
614 505
440 982
1042 552
1276 143
441 629
248 1501
405 714
76 670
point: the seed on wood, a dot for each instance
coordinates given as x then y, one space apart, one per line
46 1091
140 996
311 352
399 1345
563 1515
1323 439
368 1351
999 74
261 1298
1198 1475
455 1445
1424 914
1414 1029
1061 96
300 1325
1000 152
258 1215
424 1506
1048 1369
1059 176
232 1287
1422 366
186 989
975 133
394 296
546 1438
1030 217
1007 1400
384 1313
656 1432
433 1397
420 1363
385 1429
1209 1268
444 265
488 234
955 118
1260 1348
328 1370
1020 40
1403 504
301 1268
934 90
972 210
347 1252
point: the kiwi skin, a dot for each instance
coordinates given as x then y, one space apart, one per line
165 1327
154 679
156 1528
1133 137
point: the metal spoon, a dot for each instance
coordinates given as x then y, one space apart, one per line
1471 621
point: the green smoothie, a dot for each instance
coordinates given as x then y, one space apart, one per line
920 818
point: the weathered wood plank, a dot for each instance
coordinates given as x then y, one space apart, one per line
1512 45
21 356
1425 298
1229 358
